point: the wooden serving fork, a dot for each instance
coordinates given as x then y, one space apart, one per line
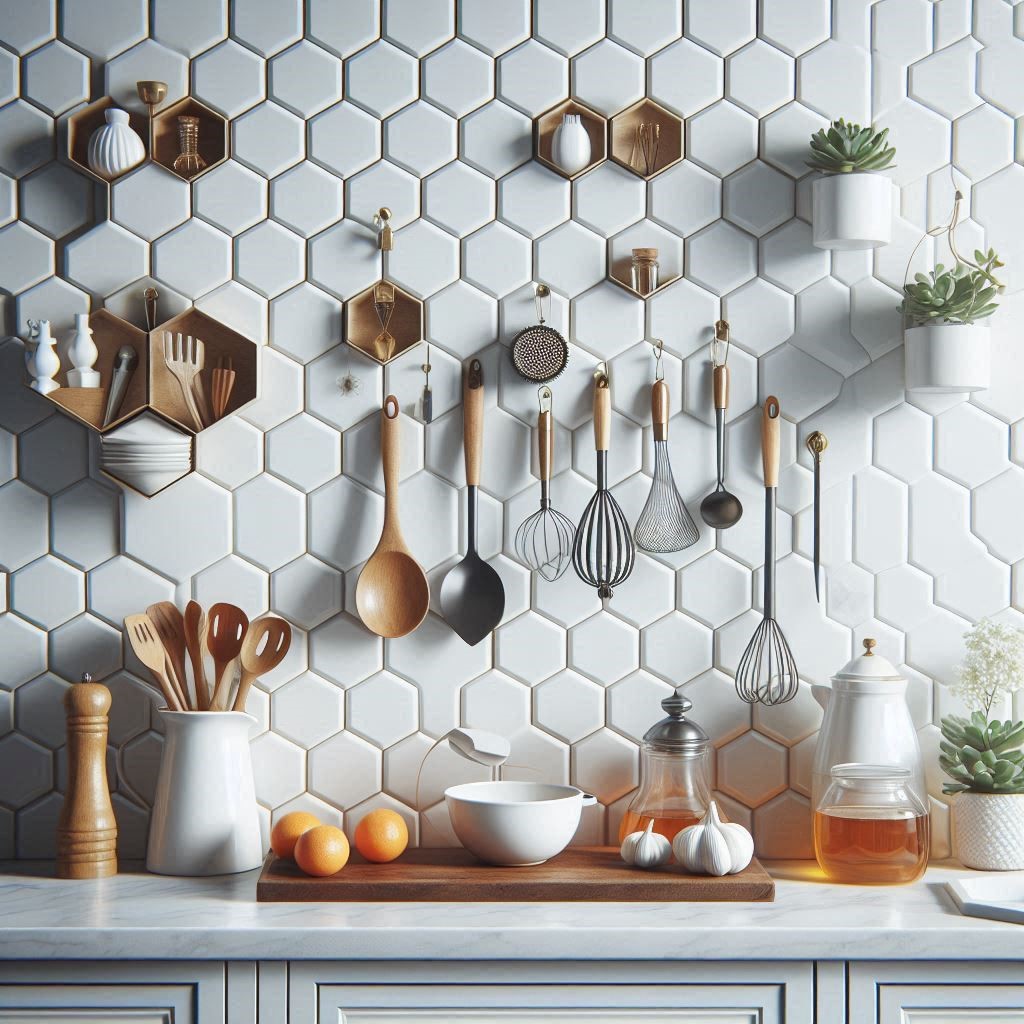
185 357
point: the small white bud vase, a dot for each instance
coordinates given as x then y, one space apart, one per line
851 211
82 352
45 362
570 145
115 147
988 831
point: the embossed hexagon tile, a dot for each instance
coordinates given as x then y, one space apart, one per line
431 109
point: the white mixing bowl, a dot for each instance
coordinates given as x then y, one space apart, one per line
515 823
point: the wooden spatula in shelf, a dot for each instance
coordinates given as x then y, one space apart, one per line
222 384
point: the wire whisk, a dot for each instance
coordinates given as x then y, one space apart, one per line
665 524
603 552
544 539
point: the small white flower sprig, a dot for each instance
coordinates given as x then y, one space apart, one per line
993 666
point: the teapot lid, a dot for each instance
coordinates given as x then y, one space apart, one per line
869 665
676 733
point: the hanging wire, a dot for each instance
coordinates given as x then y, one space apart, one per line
720 344
659 350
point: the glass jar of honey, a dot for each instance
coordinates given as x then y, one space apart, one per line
870 828
674 789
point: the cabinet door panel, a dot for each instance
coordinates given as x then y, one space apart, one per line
937 993
85 992
488 993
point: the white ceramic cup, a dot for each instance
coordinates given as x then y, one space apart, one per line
515 823
204 819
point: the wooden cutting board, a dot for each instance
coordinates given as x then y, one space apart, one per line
594 874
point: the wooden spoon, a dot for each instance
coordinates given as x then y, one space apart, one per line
151 652
170 628
392 595
265 646
195 641
227 627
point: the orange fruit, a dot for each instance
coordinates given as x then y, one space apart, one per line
322 850
287 831
382 835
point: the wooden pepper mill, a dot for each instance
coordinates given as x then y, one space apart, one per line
87 829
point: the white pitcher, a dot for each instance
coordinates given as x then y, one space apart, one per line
867 721
204 819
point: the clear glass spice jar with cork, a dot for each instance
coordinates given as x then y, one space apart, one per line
643 271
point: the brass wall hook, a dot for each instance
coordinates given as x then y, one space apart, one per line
544 398
659 350
720 344
385 235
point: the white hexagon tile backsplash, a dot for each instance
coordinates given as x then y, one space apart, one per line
338 109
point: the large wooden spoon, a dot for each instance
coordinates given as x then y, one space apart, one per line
170 628
227 627
392 595
195 641
265 646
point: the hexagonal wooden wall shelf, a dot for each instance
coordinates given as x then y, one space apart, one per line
213 141
645 234
544 132
88 405
648 150
81 125
152 386
363 326
158 480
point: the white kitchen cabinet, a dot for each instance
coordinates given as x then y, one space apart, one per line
87 992
936 993
550 993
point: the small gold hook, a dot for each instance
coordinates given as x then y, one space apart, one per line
385 237
542 292
816 443
720 339
601 374
659 351
544 398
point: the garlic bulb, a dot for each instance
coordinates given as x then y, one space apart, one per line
713 846
647 849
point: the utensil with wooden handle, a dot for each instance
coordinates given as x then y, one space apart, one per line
185 357
222 383
266 643
392 595
227 628
151 652
170 629
195 642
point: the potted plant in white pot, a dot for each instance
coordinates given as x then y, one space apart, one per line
851 203
946 350
984 758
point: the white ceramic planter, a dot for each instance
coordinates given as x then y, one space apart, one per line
947 358
204 819
851 211
115 147
988 831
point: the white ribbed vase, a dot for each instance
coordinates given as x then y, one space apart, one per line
988 831
115 147
570 144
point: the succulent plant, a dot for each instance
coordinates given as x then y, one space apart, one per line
982 756
843 148
959 295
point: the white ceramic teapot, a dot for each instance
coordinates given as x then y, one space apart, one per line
867 721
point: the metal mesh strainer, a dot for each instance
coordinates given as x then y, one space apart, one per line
540 353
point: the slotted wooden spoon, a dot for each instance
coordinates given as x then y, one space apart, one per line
392 595
265 646
227 628
170 629
151 652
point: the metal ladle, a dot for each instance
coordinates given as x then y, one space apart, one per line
720 509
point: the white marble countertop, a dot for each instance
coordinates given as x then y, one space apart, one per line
143 916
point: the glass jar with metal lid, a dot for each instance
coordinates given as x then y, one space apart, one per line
674 789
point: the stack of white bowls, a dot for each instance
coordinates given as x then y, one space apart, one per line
147 453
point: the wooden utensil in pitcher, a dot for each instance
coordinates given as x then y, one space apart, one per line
151 652
265 646
227 629
195 642
170 629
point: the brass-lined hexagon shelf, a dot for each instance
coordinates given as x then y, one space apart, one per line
152 386
647 235
81 125
646 139
369 327
544 132
212 142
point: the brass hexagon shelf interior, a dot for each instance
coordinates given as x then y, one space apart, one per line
81 125
646 139
212 143
596 127
370 329
645 234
